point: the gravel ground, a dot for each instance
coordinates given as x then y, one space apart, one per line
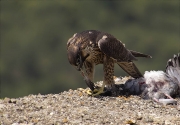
76 107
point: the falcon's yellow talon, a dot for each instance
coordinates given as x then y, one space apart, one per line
98 91
89 92
95 92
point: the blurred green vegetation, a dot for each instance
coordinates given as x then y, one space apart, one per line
34 36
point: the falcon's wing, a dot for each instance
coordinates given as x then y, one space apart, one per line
138 54
130 68
114 48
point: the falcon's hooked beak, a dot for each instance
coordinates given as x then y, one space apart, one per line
81 61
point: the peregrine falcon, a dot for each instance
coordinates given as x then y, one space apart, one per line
92 47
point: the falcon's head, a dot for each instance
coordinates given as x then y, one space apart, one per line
74 56
74 52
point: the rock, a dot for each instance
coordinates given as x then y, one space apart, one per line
71 107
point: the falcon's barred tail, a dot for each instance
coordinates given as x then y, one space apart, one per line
138 54
130 68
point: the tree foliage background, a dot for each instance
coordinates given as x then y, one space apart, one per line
34 35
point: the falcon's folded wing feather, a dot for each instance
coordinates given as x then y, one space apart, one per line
114 49
130 68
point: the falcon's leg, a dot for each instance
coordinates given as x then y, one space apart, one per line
89 76
89 69
108 68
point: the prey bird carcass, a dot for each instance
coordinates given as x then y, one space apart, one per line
161 86
92 47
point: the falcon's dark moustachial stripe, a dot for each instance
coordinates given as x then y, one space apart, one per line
92 47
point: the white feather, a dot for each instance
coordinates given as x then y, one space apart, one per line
154 76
